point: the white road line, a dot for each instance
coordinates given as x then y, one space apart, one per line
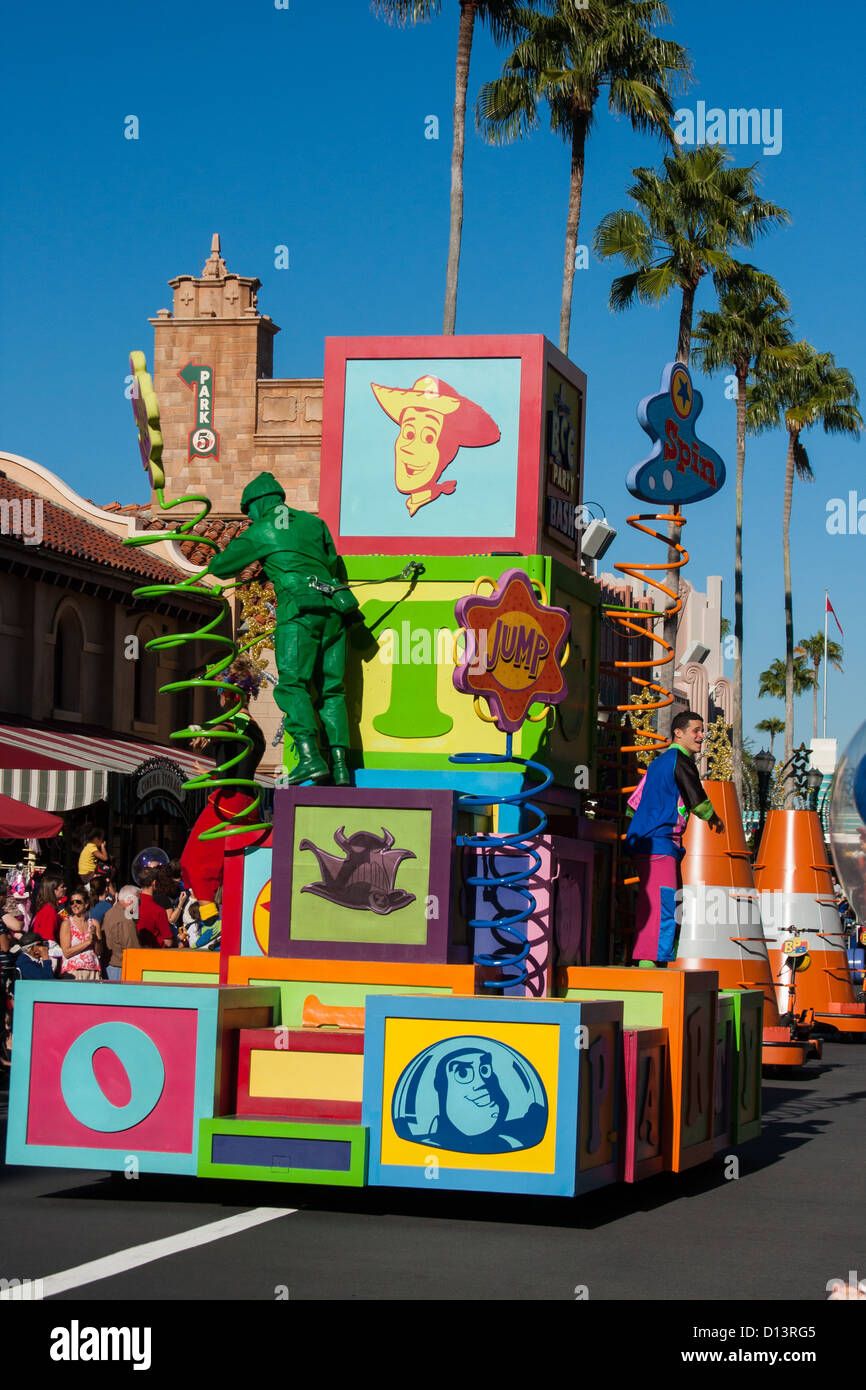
137 1255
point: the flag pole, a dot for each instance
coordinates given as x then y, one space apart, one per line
826 611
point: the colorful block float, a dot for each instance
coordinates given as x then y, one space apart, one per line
408 991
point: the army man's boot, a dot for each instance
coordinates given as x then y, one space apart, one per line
340 767
311 765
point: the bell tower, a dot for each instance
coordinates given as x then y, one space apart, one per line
210 351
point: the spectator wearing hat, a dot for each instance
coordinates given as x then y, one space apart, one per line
32 959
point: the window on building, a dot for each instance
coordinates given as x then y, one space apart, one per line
68 646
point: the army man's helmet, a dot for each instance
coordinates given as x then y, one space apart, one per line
265 485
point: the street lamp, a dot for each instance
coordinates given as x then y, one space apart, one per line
814 778
764 764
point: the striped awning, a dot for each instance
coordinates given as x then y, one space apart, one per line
54 790
57 771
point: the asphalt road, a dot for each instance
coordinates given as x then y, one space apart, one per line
791 1222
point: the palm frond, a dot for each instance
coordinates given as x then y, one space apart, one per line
402 12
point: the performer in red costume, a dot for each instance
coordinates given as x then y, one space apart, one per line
202 860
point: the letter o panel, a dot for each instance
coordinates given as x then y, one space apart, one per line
105 1072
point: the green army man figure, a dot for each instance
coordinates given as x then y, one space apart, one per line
297 553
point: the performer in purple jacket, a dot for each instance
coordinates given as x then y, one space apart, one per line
669 792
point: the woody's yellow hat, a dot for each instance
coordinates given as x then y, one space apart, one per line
473 425
428 393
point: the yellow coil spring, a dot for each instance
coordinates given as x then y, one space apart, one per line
208 781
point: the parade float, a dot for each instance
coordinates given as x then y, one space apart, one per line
414 983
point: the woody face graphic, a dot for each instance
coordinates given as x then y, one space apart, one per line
434 421
416 453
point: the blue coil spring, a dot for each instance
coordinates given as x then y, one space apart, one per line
240 822
515 945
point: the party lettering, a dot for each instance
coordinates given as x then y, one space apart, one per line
689 456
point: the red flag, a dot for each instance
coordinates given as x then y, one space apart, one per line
830 609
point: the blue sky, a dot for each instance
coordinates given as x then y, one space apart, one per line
305 127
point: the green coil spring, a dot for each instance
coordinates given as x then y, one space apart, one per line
207 781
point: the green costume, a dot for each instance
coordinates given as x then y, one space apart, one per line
294 547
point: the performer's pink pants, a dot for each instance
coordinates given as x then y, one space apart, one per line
656 907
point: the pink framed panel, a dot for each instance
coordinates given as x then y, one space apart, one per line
388 487
362 874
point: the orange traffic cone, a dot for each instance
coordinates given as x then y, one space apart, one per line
795 880
721 926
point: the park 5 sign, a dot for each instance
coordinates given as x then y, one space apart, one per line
203 438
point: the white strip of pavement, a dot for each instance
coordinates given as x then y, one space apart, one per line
137 1255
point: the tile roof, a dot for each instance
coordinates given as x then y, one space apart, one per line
220 529
66 533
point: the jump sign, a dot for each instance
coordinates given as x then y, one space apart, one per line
203 438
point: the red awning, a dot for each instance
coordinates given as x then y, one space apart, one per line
46 746
20 822
57 768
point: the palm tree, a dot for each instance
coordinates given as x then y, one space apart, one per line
772 726
684 225
567 59
810 391
772 681
814 650
498 15
749 321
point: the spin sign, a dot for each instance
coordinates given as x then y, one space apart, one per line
681 467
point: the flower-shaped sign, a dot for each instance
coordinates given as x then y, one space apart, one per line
145 407
680 467
514 647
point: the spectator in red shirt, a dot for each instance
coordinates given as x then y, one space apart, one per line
46 918
154 929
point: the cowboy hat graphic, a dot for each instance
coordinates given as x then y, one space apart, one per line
435 421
